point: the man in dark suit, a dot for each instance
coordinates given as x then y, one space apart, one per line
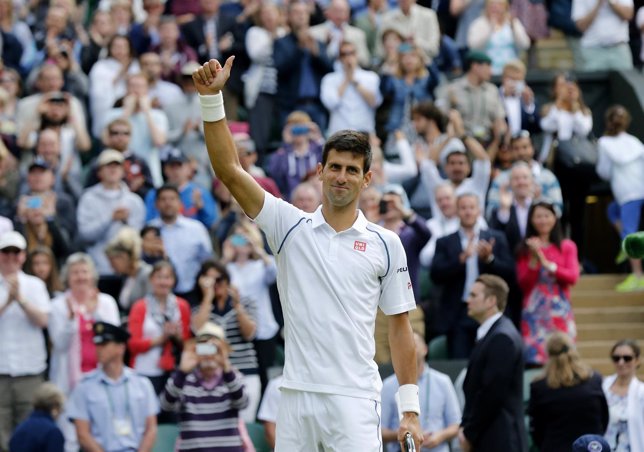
493 415
215 34
301 62
10 50
522 112
459 259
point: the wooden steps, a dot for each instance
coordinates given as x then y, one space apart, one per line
603 317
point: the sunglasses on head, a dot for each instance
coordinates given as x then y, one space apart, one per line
618 358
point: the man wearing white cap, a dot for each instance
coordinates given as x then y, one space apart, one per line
106 207
24 307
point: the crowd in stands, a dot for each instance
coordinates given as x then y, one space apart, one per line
111 216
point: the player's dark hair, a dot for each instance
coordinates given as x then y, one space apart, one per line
349 141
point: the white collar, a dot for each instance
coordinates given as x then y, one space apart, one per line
360 224
484 328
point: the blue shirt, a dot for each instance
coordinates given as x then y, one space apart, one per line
187 244
38 433
207 214
102 401
439 406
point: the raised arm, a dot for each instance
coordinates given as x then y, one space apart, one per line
209 80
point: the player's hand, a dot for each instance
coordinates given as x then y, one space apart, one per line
211 77
410 423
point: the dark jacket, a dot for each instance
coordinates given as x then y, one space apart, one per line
449 272
559 416
38 433
287 56
493 419
11 50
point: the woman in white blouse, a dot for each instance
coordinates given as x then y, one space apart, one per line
71 320
565 117
625 396
108 77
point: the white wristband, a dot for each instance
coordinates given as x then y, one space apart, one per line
409 400
212 107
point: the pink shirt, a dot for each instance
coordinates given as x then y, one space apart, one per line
88 349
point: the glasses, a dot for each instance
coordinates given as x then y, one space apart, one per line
119 132
219 279
8 80
11 250
347 53
618 358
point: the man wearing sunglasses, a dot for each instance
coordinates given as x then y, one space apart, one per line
24 307
335 270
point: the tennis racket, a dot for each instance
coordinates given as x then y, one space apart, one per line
408 443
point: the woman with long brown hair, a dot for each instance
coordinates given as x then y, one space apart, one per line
547 267
567 401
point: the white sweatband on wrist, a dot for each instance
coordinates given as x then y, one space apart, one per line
409 400
212 107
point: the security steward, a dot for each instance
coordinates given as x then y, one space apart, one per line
113 408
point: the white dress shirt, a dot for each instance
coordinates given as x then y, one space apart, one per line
484 328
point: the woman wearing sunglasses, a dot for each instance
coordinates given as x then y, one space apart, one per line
625 396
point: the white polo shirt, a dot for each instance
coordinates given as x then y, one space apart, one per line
330 286
22 344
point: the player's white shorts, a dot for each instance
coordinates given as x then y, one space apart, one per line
318 422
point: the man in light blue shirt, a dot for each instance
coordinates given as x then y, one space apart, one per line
186 241
440 413
113 408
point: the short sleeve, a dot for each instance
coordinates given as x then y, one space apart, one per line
37 294
452 413
152 401
397 294
276 219
77 405
270 402
579 9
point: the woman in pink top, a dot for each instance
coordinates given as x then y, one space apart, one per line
547 266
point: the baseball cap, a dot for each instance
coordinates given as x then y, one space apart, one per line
211 329
109 156
476 56
12 239
590 443
173 155
397 189
39 162
454 145
106 332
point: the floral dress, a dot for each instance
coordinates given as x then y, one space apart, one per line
545 309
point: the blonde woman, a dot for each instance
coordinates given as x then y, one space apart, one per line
567 401
124 254
411 83
498 34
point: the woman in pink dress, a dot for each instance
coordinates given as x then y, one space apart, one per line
547 266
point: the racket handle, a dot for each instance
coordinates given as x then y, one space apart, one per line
409 443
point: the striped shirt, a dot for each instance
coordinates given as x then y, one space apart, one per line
208 418
242 355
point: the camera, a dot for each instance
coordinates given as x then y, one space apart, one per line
205 349
383 206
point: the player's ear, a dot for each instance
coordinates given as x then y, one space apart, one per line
366 179
318 170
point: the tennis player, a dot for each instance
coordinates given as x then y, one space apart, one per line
335 269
